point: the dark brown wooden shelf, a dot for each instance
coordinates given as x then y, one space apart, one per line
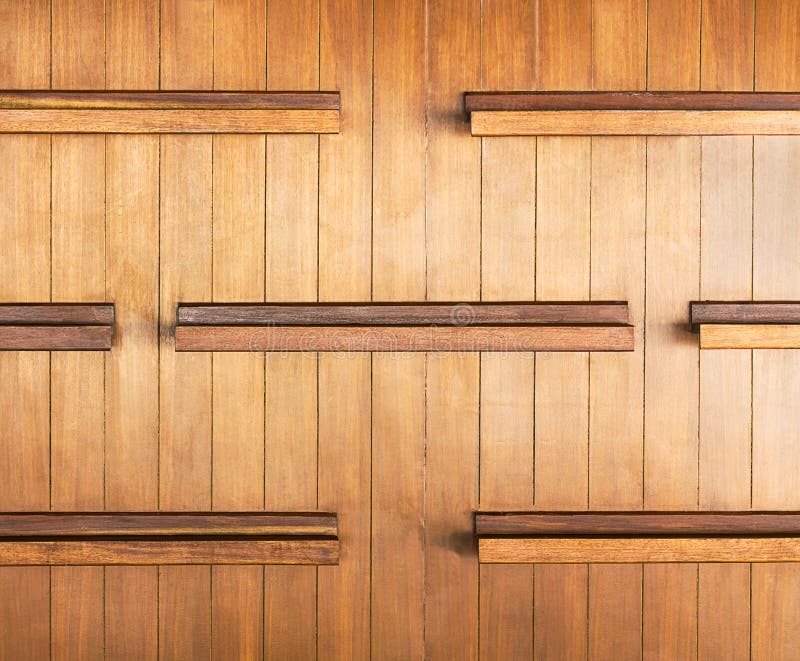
633 113
619 537
353 327
746 324
100 538
43 111
56 326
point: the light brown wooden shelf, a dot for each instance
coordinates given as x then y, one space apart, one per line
633 113
56 327
354 327
633 537
168 538
34 111
746 324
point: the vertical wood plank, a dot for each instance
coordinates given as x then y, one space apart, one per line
77 379
671 355
618 200
76 602
398 381
184 593
237 593
727 36
508 213
131 391
25 276
562 380
290 593
344 458
775 616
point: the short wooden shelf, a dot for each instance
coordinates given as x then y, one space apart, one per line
100 538
747 324
56 327
633 537
168 112
633 113
358 327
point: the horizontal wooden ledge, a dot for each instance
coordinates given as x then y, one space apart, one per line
351 339
165 100
532 101
169 121
403 314
637 523
568 550
57 314
316 551
168 538
744 312
99 524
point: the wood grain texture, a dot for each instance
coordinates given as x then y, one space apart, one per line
55 338
353 339
36 314
24 613
135 552
744 312
184 612
76 607
673 45
634 122
170 100
401 314
750 336
616 550
169 121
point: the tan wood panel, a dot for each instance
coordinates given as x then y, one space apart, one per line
727 40
345 443
669 628
238 230
76 606
776 374
292 190
25 275
184 612
508 271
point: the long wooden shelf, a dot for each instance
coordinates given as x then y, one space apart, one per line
41 111
633 113
56 327
747 324
356 327
633 537
100 538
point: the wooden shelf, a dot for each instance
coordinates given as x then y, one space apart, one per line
56 327
634 537
168 538
747 324
357 327
633 113
168 112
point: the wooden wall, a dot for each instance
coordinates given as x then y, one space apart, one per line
402 205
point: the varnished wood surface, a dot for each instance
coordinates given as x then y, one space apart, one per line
102 524
634 524
749 336
310 551
55 338
80 314
641 100
569 550
165 100
404 338
168 121
634 122
402 314
744 312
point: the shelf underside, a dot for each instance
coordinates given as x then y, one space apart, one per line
633 113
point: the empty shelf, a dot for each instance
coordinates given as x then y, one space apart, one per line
56 327
168 112
633 537
747 324
633 113
355 327
168 538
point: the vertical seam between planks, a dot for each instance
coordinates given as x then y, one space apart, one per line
699 293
